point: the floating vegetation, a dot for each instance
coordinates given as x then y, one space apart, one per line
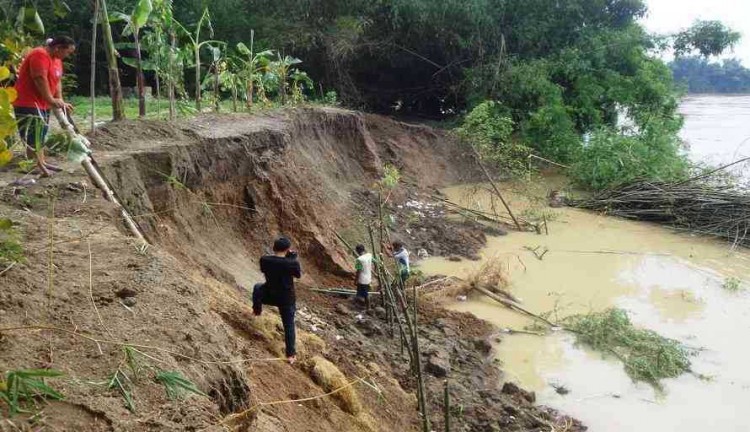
646 355
732 284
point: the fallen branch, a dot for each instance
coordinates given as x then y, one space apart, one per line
7 269
340 291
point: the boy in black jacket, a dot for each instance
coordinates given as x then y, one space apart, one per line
280 270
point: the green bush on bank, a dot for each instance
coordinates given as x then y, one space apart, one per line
488 128
613 157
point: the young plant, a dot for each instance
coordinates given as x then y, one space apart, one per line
25 386
300 81
196 44
281 68
121 382
135 22
252 68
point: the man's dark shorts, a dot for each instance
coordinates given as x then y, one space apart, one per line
363 291
32 126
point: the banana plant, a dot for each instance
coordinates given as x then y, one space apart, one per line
135 23
195 45
217 67
252 67
115 89
300 80
231 78
281 67
163 51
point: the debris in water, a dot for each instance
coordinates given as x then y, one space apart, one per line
647 356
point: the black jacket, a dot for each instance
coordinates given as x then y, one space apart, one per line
280 273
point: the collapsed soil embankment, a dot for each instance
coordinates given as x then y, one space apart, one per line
210 194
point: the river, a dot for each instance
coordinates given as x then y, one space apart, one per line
669 282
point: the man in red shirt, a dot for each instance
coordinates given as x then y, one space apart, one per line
39 89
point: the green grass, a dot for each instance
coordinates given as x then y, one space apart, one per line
646 355
176 385
23 387
155 109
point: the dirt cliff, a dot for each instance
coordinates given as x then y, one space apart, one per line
210 194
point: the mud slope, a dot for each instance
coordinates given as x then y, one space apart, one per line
210 194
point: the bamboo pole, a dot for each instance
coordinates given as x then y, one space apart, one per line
447 406
93 65
494 186
511 305
413 330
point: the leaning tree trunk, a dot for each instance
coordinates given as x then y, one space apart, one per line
139 78
93 66
115 89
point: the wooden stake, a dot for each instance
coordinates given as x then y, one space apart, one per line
447 406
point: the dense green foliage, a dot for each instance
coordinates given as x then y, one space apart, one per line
702 76
488 128
646 355
557 69
613 157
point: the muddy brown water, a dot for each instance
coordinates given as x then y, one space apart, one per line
669 282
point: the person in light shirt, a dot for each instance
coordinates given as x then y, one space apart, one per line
363 266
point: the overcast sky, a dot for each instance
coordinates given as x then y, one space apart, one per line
667 16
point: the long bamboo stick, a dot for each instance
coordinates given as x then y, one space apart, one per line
494 186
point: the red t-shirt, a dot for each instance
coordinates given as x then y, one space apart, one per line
38 62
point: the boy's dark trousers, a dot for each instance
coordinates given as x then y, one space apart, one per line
287 318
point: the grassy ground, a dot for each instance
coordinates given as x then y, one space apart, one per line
155 109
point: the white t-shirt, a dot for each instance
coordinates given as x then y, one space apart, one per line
364 265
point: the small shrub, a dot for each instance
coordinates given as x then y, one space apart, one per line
11 249
330 98
732 284
391 177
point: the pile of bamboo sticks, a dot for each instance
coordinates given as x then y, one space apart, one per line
696 206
